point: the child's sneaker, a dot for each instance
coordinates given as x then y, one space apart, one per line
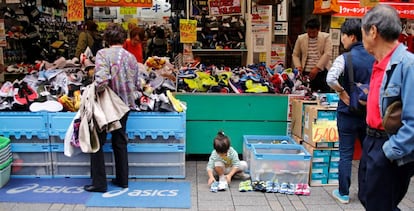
214 187
269 186
245 186
299 189
344 199
283 188
259 186
276 187
305 190
291 189
222 185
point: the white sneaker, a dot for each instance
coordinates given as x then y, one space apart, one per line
222 185
50 106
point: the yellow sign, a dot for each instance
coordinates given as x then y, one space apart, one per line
188 31
325 131
75 10
118 3
128 10
368 3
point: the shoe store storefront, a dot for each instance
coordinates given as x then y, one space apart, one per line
227 67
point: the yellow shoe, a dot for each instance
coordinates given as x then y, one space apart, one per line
77 99
67 103
255 87
176 103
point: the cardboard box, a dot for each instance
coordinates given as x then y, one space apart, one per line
298 111
320 128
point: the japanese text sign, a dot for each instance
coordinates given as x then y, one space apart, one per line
75 10
188 31
119 3
224 7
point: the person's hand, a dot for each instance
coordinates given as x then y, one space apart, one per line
313 73
299 69
211 180
344 97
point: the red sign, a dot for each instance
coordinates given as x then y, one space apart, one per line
118 3
353 9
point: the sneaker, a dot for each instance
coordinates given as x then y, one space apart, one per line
259 186
269 186
6 90
245 186
222 185
299 189
50 106
305 190
214 187
344 199
283 188
276 187
291 189
176 103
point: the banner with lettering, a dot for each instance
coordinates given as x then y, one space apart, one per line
188 31
75 10
118 3
353 9
224 7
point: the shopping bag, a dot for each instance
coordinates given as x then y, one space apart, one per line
69 149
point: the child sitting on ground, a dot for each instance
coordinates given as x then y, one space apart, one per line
224 163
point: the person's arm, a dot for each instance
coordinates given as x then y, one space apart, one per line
297 54
210 167
102 72
332 77
401 144
81 45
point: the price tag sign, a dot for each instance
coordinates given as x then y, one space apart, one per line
325 131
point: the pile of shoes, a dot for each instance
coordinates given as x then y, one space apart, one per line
251 79
57 86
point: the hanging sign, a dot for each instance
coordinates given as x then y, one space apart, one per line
224 7
75 10
118 3
188 31
353 9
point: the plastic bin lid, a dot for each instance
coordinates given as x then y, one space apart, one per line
4 142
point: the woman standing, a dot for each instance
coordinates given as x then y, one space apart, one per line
118 69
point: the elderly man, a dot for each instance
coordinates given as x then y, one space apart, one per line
387 163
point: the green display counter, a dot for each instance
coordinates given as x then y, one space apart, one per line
235 114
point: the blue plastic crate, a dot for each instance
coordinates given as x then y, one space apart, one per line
285 162
31 160
156 148
59 122
155 124
27 124
248 140
141 124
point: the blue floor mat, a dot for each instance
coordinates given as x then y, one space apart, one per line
42 190
145 194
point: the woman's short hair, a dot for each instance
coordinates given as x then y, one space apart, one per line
114 34
352 27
